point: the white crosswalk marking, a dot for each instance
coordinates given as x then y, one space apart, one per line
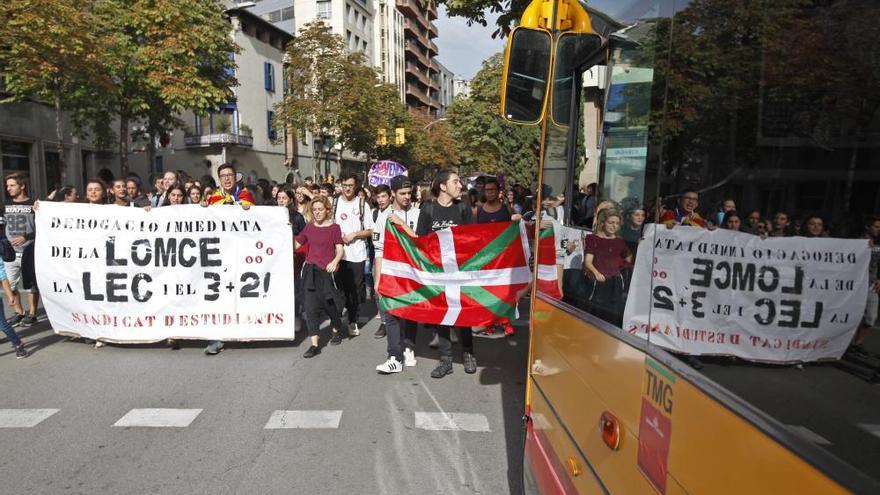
158 418
444 421
304 420
24 418
809 434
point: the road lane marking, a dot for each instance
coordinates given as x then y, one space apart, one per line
158 418
303 420
443 421
24 418
809 434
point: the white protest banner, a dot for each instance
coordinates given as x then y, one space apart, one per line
129 275
782 299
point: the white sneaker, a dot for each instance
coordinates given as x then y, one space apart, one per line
390 366
409 357
98 344
435 342
353 330
453 335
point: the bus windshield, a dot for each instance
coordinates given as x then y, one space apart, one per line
719 198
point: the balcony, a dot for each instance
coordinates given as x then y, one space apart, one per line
432 31
433 51
225 139
413 69
417 52
418 94
410 8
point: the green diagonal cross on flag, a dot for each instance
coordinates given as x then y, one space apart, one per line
468 275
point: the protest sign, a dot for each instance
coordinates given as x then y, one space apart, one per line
382 172
130 275
791 299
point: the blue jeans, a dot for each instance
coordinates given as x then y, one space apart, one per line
7 328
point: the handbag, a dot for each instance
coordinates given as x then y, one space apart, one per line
8 250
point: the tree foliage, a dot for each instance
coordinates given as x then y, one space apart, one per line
51 50
129 59
429 145
475 12
483 140
335 92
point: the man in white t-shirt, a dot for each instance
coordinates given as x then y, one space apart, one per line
355 218
400 333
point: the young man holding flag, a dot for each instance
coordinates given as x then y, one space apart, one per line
401 333
446 210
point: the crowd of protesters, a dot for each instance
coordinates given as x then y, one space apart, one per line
338 233
600 285
339 238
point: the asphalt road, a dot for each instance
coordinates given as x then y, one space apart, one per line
404 433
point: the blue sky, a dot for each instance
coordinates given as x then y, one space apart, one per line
463 48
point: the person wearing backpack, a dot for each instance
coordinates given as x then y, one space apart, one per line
383 201
447 210
355 218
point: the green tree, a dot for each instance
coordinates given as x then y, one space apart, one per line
51 51
475 12
429 145
332 92
168 56
484 141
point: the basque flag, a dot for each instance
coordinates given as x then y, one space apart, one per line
469 275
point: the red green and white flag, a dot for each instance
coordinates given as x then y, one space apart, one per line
548 274
469 275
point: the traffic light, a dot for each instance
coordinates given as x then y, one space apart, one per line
381 138
400 136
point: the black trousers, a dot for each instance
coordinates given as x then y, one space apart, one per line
318 298
465 336
400 334
350 280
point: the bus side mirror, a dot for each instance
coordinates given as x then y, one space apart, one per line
526 76
572 52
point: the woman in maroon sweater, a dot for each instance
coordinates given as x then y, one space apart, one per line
606 258
319 292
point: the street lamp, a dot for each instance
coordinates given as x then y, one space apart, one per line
444 119
327 142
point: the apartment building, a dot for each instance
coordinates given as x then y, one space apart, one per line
422 87
389 41
278 12
461 86
351 19
446 80
240 132
29 145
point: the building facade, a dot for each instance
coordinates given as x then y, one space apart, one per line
241 132
28 145
351 19
461 86
420 50
446 81
278 12
389 42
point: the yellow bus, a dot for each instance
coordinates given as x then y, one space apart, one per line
752 127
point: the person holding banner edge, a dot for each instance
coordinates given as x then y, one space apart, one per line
229 193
